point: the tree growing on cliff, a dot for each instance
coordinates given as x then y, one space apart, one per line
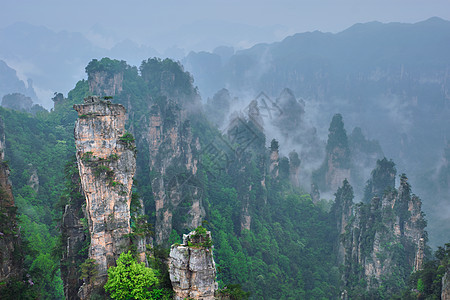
337 144
132 280
338 154
383 179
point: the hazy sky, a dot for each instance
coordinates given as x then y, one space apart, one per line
147 21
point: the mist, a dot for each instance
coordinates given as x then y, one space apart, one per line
331 56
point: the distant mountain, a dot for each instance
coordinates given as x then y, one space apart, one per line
10 83
392 80
395 71
53 60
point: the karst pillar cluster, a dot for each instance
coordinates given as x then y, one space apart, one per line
107 162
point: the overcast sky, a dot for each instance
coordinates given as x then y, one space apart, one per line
147 21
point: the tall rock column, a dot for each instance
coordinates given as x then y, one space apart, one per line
343 211
172 148
106 160
383 239
336 166
274 159
191 267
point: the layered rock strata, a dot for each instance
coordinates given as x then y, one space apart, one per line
192 269
106 160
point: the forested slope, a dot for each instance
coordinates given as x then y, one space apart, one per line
269 236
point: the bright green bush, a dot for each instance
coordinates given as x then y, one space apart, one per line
131 280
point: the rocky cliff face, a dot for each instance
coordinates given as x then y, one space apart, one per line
335 174
10 264
384 239
104 83
343 211
336 167
178 199
192 269
106 160
75 237
274 161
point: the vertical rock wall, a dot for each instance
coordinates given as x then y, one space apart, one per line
192 269
103 83
75 238
10 265
385 238
107 162
178 199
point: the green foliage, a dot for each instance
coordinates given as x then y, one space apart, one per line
89 270
100 169
174 238
420 285
18 288
166 75
87 156
274 145
427 282
141 227
382 179
110 66
41 144
128 140
288 251
132 280
200 239
337 140
337 151
234 292
113 157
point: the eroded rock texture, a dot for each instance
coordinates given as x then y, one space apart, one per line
384 239
178 198
107 162
104 83
192 269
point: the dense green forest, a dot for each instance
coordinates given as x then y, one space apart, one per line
288 252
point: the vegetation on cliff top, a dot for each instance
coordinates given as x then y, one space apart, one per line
288 249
